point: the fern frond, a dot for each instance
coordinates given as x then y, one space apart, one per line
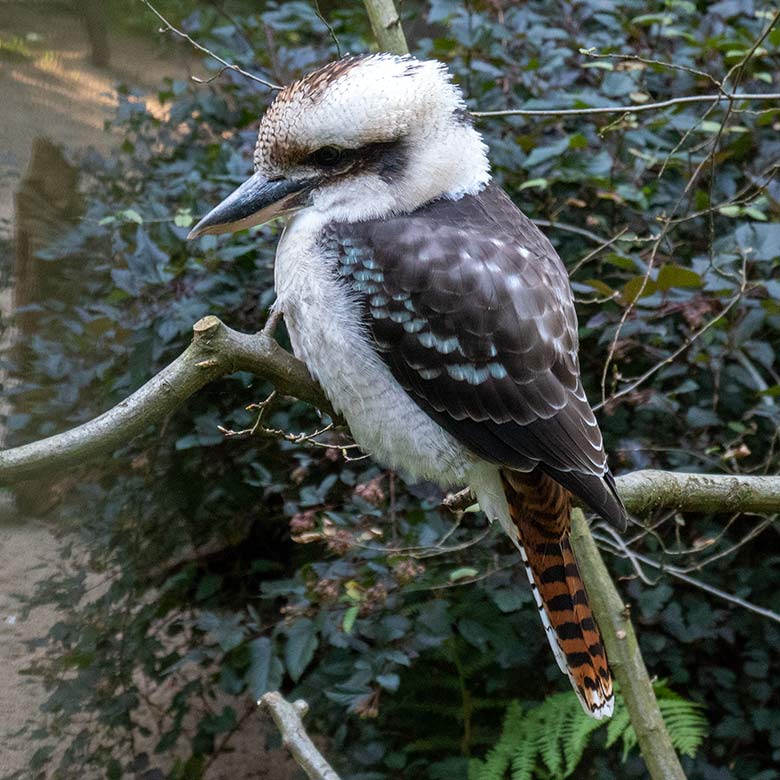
524 761
475 768
575 736
686 724
551 718
493 767
618 723
552 737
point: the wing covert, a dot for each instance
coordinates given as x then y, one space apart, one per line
470 307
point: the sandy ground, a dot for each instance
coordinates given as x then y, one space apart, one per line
53 91
27 550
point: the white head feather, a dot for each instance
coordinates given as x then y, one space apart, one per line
410 105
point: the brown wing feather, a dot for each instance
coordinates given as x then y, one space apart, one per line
540 509
470 308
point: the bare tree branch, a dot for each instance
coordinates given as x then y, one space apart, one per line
645 491
650 489
288 719
386 25
215 351
633 109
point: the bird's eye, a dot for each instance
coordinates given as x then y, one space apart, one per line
328 156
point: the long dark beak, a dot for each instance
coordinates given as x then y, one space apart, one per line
256 201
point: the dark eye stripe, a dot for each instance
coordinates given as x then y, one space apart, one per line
387 158
327 156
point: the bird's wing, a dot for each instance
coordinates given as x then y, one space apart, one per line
470 307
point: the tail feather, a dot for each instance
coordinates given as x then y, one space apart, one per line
540 510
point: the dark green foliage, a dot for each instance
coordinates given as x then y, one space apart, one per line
409 638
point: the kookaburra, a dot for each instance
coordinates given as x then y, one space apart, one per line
436 317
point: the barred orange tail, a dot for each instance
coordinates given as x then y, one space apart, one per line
540 509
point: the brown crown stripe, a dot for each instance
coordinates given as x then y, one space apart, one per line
317 81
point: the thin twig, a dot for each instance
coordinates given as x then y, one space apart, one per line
649 61
678 101
225 64
331 31
605 245
674 355
673 571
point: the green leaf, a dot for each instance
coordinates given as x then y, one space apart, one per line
349 619
389 682
301 643
265 669
543 153
509 599
183 218
599 286
541 183
676 276
462 573
132 216
638 287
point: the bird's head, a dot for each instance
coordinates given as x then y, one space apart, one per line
360 138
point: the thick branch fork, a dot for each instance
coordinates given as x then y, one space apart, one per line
216 350
289 720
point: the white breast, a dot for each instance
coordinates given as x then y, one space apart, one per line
326 333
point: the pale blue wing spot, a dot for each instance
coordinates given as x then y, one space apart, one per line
367 287
447 345
497 371
414 326
467 372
